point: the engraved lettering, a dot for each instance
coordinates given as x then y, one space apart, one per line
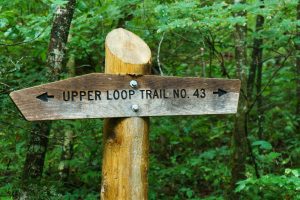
131 92
203 95
183 93
97 95
176 93
165 96
179 93
74 94
155 94
148 94
81 95
108 96
124 94
90 93
142 92
116 94
64 96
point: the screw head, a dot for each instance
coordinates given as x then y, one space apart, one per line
135 108
133 83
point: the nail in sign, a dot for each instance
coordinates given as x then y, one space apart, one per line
99 95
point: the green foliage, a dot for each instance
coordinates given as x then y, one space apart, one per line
190 157
285 186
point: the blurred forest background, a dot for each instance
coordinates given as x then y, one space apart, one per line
252 155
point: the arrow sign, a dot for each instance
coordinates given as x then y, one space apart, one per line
45 97
105 96
220 92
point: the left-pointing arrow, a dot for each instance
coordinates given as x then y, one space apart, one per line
44 97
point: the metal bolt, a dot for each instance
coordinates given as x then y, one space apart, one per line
133 83
135 108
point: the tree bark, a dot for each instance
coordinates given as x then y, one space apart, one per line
38 140
256 54
297 45
59 37
257 64
67 147
37 147
66 156
203 62
239 140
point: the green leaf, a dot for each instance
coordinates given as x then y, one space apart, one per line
3 22
262 144
241 186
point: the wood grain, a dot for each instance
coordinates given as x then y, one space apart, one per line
34 109
126 140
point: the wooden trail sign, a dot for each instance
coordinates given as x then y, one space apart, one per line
113 96
99 95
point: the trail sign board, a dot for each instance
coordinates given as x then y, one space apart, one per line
99 95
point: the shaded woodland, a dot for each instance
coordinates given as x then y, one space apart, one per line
254 154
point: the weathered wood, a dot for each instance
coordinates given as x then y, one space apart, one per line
126 141
111 95
103 96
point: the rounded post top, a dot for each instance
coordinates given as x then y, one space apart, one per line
128 47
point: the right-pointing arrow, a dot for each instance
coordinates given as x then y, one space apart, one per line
220 92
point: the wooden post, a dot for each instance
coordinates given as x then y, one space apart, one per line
126 140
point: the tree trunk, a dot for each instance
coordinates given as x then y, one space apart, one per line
298 71
203 62
257 64
38 140
67 147
256 54
126 140
66 156
239 140
37 147
59 37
